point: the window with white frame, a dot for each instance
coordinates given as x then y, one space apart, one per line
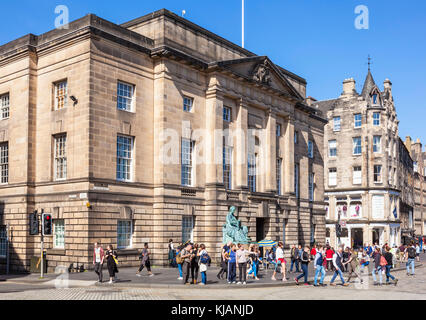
187 147
278 174
227 114
378 173
59 233
125 94
4 106
357 120
187 228
227 167
61 94
336 124
374 99
415 166
357 145
278 130
376 118
187 104
357 175
332 176
3 241
332 148
311 186
377 144
60 157
124 158
251 174
310 149
296 180
4 162
124 234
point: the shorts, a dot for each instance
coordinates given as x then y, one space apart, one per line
281 260
417 254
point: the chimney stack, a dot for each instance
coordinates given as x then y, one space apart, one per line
387 84
349 87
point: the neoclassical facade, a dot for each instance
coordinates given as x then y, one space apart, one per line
149 131
368 170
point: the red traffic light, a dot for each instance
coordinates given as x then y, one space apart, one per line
47 217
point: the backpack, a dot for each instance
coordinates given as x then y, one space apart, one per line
204 258
411 252
179 259
383 261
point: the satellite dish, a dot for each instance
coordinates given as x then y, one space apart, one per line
183 12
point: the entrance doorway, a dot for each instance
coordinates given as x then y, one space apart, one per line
377 236
260 229
357 237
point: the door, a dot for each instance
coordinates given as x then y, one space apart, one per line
260 229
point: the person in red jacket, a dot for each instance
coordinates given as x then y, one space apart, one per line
313 251
98 260
329 257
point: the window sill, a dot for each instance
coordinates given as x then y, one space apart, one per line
56 251
127 252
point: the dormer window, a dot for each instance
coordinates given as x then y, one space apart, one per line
374 99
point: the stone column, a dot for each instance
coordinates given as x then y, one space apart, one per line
270 148
240 149
288 161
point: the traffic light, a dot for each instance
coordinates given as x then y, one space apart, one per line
34 223
47 224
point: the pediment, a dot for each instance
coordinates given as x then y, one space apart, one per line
262 71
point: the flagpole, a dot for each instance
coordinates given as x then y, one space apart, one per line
243 22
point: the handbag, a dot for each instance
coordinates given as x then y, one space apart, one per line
115 260
383 261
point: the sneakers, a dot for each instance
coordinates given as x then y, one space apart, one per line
306 284
151 275
256 278
238 282
110 282
274 279
323 285
218 276
345 284
332 284
244 282
395 282
284 280
316 285
201 284
297 281
234 282
180 278
229 282
138 275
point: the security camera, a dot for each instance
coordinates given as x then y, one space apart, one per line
74 99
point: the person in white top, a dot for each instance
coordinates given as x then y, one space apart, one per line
279 256
241 257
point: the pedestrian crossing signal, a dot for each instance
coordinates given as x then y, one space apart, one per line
34 223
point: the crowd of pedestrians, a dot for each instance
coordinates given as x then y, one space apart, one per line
241 262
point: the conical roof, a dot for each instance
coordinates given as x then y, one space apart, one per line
369 84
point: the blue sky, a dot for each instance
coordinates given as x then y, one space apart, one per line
315 39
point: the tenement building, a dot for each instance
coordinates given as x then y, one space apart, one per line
149 131
419 158
368 170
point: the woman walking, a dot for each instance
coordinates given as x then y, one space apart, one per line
145 262
111 257
389 259
204 259
242 263
280 261
353 265
195 267
304 260
172 253
377 267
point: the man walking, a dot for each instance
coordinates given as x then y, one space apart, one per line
410 256
224 261
186 257
389 259
353 264
294 257
338 267
98 260
319 267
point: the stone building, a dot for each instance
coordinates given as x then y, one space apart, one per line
150 131
419 158
367 169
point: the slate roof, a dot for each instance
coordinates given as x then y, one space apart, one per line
369 84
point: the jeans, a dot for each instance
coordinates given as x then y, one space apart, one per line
146 264
243 271
379 272
98 270
388 275
253 269
180 270
204 277
186 266
194 271
330 265
337 272
232 271
410 262
294 262
304 272
318 270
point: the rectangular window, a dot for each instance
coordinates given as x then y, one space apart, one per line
332 148
3 241
124 234
357 175
336 124
296 138
186 162
415 166
296 180
227 167
310 149
4 106
187 228
378 173
278 130
390 176
332 177
187 104
4 163
60 157
124 158
59 233
251 174
311 186
376 118
357 120
227 115
377 144
61 95
357 145
125 93
278 173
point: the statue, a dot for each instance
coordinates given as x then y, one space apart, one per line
261 74
233 231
